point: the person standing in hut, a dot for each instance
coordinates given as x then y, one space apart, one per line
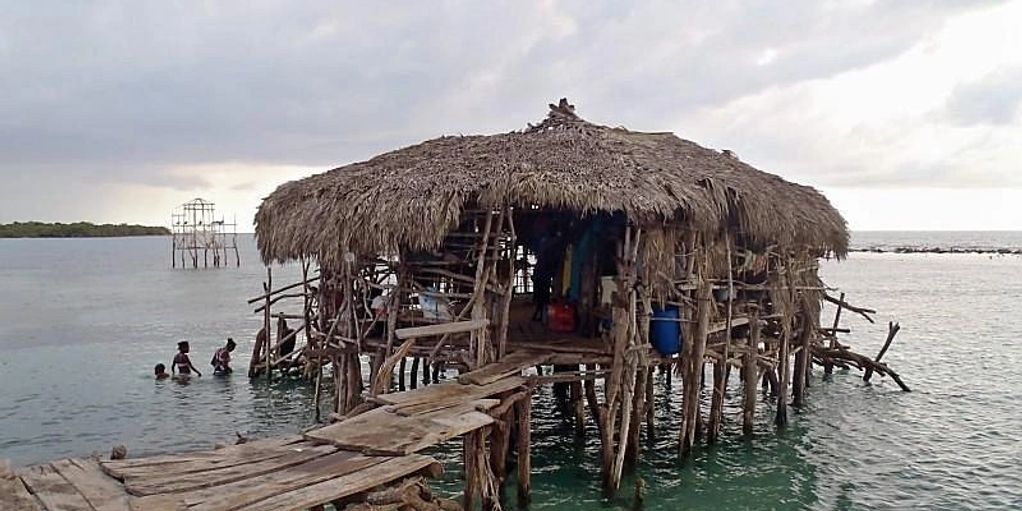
182 364
222 358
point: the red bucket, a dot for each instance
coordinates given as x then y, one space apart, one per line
560 318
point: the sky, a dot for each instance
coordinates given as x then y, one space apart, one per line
907 114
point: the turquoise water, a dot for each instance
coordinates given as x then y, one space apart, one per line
82 322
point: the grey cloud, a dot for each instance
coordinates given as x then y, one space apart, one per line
993 99
121 91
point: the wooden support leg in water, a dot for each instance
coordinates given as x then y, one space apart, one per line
425 371
524 412
785 377
892 330
649 401
716 402
627 403
749 373
828 367
471 471
413 378
638 413
401 375
578 407
694 369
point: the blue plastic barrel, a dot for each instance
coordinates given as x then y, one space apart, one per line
665 330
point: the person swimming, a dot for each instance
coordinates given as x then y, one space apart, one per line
222 358
182 364
161 372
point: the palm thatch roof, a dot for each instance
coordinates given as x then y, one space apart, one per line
413 196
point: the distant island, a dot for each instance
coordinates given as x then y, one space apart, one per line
77 230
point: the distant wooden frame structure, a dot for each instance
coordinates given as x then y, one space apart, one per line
425 253
198 234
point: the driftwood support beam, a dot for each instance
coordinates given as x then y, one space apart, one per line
456 327
862 311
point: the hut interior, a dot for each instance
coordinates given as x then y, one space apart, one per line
575 254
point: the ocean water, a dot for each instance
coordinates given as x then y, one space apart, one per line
83 321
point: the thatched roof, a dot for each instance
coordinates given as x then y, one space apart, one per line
413 196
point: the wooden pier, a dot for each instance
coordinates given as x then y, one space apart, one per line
347 463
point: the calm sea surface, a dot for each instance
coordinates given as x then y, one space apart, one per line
82 322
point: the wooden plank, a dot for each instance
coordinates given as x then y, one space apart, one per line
253 490
157 503
175 483
441 328
101 491
447 391
381 431
191 465
333 489
115 467
13 494
511 365
436 406
53 490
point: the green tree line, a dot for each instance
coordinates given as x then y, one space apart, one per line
77 230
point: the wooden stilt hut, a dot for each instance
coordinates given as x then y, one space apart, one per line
600 251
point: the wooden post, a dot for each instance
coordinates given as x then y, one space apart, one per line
627 403
413 378
828 367
892 330
638 413
720 368
266 322
400 375
471 471
524 411
509 287
784 366
694 367
649 400
750 372
810 318
578 407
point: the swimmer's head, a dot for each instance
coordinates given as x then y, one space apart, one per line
182 346
230 344
160 369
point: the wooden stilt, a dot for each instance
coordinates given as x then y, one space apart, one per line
750 371
650 430
401 375
413 378
638 414
828 367
471 471
524 412
694 369
578 407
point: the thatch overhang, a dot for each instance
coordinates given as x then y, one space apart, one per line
412 197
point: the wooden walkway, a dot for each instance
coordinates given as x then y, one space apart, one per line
356 455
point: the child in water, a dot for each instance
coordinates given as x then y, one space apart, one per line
161 372
182 364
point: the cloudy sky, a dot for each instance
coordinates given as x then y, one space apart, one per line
906 113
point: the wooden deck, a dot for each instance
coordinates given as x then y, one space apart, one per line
346 458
